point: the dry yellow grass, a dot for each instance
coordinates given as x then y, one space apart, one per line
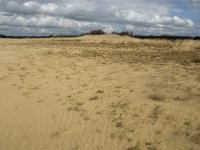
100 93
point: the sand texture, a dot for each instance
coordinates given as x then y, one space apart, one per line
99 93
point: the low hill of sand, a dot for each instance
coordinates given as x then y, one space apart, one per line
99 93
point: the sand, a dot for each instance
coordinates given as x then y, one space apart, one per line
99 93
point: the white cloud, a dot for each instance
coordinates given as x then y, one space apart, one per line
42 21
83 15
49 7
134 17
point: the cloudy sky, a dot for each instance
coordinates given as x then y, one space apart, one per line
44 17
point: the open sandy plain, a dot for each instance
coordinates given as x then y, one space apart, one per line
99 93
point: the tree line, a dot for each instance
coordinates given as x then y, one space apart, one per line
101 32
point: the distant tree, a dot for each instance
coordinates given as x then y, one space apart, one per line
51 35
126 33
196 38
2 36
96 32
123 33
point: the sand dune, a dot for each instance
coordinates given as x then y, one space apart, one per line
99 93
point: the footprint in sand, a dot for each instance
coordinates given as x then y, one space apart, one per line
100 91
38 87
41 101
58 100
14 84
86 118
19 88
94 98
57 94
26 93
4 77
155 113
58 132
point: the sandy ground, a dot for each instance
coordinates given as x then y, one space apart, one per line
99 93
